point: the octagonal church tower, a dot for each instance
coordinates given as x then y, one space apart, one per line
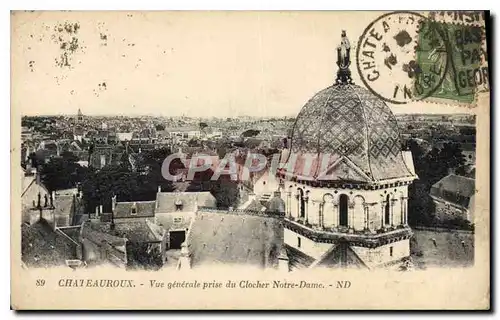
344 179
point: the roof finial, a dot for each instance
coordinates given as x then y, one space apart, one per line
344 60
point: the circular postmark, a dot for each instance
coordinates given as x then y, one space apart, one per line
402 56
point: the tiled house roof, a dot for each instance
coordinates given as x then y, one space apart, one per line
455 189
166 201
137 231
142 209
298 259
98 233
220 237
42 247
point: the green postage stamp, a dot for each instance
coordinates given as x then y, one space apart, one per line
461 52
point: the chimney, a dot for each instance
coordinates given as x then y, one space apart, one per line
159 189
97 211
73 209
27 155
113 203
100 209
184 262
52 198
112 225
29 169
38 202
196 204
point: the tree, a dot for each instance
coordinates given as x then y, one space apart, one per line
421 208
468 131
250 133
224 190
451 156
62 172
160 127
153 160
202 125
100 185
194 142
127 185
143 255
430 168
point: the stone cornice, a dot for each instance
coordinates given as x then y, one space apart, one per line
350 185
367 240
241 212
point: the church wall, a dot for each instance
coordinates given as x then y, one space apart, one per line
266 184
382 255
326 200
294 208
313 215
307 246
358 215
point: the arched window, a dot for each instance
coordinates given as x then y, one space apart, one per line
302 203
343 209
387 219
328 212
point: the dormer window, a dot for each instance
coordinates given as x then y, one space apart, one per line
133 209
178 205
177 220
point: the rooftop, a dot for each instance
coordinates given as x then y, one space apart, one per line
349 122
42 247
166 201
218 237
142 209
442 248
455 189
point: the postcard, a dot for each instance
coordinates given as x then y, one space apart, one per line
257 160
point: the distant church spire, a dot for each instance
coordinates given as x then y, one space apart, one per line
79 116
344 60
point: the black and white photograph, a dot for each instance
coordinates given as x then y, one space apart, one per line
277 141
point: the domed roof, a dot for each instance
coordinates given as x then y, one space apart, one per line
276 204
348 121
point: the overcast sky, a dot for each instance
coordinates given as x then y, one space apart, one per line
181 63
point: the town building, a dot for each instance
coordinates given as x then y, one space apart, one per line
174 211
183 133
167 218
42 247
236 238
99 247
454 197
